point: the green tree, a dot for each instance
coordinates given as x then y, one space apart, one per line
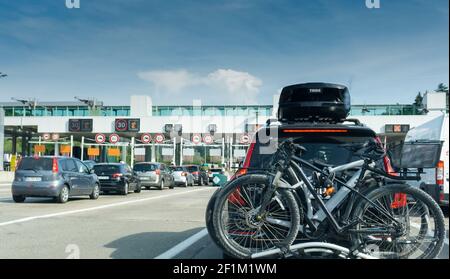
443 88
418 104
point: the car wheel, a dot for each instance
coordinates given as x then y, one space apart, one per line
18 199
95 192
63 194
161 185
125 189
138 188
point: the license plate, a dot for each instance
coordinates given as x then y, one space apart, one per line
103 177
145 178
33 179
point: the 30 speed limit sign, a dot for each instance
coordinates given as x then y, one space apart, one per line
146 138
100 138
114 138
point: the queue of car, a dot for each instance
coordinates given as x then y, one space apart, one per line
62 177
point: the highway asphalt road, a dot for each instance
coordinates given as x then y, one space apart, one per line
152 224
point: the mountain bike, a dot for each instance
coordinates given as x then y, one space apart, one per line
263 212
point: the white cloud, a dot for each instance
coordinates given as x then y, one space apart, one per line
169 81
234 84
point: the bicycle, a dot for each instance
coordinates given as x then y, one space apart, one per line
263 212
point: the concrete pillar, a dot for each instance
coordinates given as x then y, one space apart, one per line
148 153
153 159
124 154
56 149
24 145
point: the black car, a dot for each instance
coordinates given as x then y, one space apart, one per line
90 164
200 175
115 177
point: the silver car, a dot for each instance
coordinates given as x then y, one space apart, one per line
154 175
182 176
57 177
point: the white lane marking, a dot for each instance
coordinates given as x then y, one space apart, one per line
27 219
180 247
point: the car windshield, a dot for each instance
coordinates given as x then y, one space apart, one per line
106 169
36 164
192 168
332 150
178 169
145 167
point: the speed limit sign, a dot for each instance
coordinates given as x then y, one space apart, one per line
146 138
208 139
114 138
159 138
100 138
196 139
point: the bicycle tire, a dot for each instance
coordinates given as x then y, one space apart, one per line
418 194
229 246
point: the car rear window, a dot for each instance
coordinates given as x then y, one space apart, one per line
106 169
192 168
178 169
215 170
36 164
145 167
332 150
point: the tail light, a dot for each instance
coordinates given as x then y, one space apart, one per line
158 172
117 175
195 173
55 167
440 173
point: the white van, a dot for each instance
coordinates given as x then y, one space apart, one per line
434 181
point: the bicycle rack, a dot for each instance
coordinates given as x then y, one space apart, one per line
314 247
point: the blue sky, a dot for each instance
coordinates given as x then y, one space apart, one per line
222 52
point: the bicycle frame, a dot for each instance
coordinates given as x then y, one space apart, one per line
326 209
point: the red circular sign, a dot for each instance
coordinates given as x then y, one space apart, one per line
114 138
46 136
55 136
121 125
245 139
159 138
208 139
146 138
196 139
100 138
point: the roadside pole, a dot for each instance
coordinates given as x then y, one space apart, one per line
71 146
181 151
133 140
223 151
40 142
174 159
82 148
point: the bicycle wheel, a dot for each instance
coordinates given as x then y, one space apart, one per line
240 231
407 223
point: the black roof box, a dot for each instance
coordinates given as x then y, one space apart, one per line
311 102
